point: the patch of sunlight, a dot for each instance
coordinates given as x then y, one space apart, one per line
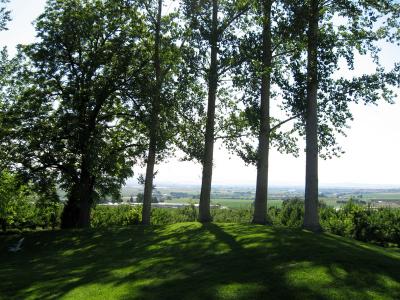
148 262
338 272
117 288
328 282
307 274
238 290
37 290
100 291
387 282
179 227
122 272
376 295
254 243
255 236
68 252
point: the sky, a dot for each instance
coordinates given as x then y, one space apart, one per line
372 144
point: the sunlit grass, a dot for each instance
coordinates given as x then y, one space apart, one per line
194 261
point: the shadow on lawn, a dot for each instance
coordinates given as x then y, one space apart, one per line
193 261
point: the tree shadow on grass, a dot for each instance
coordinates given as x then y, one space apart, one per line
194 261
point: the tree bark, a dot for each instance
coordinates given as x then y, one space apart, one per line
3 225
155 124
205 194
76 212
70 213
311 218
260 203
85 198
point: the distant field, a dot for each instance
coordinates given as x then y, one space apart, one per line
230 203
242 203
241 197
382 196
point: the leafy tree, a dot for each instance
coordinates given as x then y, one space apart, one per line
154 126
214 39
268 36
64 126
281 36
320 98
166 89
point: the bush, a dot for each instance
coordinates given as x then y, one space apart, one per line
23 207
341 221
120 215
291 213
378 226
239 215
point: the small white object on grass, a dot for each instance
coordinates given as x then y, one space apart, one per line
17 246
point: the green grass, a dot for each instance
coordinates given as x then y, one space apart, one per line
382 196
194 261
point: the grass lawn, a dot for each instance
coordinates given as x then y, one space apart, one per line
194 261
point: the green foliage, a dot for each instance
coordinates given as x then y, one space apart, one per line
71 120
340 222
48 212
161 216
240 215
15 207
119 215
21 207
292 213
379 226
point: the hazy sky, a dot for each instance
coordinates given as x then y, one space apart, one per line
372 144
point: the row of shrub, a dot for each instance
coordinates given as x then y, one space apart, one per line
122 215
33 215
22 207
364 223
379 226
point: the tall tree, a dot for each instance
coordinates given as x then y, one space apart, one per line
154 126
205 193
260 203
213 23
311 218
167 85
268 37
320 98
64 123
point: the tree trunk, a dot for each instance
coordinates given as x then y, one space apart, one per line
204 205
76 212
85 199
70 213
3 225
311 218
260 203
155 124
